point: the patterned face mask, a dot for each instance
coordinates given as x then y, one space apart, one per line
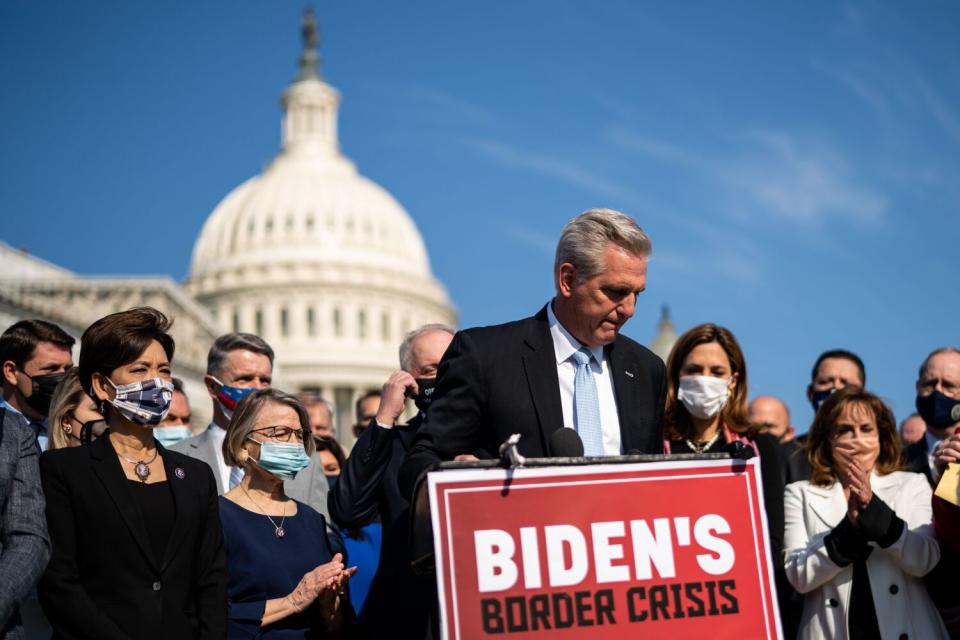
145 403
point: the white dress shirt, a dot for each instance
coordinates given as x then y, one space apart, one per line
217 434
564 346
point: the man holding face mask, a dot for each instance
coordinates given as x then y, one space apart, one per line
368 487
35 355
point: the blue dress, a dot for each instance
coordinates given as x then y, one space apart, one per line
263 567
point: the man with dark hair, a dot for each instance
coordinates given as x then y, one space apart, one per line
237 365
34 356
834 370
938 403
366 410
24 545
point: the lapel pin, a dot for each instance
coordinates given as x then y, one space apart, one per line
629 374
179 473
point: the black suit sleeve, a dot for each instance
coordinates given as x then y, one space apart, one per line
453 423
661 377
773 474
354 501
70 610
211 567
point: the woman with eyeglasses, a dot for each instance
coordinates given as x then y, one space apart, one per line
858 535
285 581
73 414
134 528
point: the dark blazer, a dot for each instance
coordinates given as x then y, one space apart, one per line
104 580
24 546
500 380
367 489
916 458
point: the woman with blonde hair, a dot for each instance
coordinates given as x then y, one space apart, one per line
858 534
73 414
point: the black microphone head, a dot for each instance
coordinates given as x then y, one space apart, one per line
737 449
566 443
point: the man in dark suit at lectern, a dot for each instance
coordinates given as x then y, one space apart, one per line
566 367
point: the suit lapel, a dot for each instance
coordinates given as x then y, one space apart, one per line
181 504
205 448
540 369
625 390
106 466
828 503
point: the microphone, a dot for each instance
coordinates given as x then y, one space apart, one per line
738 450
509 454
566 443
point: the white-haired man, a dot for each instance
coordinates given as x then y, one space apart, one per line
367 489
566 367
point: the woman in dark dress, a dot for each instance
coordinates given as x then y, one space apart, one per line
134 528
707 411
285 582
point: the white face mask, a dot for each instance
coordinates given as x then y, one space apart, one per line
703 396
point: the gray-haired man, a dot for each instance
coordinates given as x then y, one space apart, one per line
566 367
238 364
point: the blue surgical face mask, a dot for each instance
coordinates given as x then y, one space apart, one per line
171 435
229 397
819 397
282 459
938 410
145 402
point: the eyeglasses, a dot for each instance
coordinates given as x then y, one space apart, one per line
281 433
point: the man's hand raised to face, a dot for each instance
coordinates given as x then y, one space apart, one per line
394 394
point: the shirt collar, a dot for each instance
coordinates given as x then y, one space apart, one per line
564 344
40 426
932 441
9 407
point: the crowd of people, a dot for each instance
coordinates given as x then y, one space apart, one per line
123 519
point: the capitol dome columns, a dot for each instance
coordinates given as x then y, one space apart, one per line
309 104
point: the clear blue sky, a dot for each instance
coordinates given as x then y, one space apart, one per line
797 165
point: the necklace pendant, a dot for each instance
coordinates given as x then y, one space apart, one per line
280 532
142 470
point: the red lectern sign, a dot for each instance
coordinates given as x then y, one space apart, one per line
658 550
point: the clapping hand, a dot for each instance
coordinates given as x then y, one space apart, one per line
317 582
854 478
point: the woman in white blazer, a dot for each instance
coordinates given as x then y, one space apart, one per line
858 536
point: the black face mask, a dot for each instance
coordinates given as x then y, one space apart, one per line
426 387
819 397
332 482
91 430
938 411
41 392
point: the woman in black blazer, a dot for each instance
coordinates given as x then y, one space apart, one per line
135 528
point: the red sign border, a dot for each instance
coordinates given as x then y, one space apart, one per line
469 480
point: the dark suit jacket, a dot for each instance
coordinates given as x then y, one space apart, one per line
496 381
104 580
399 603
916 458
24 546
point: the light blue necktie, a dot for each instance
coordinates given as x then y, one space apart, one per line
587 405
